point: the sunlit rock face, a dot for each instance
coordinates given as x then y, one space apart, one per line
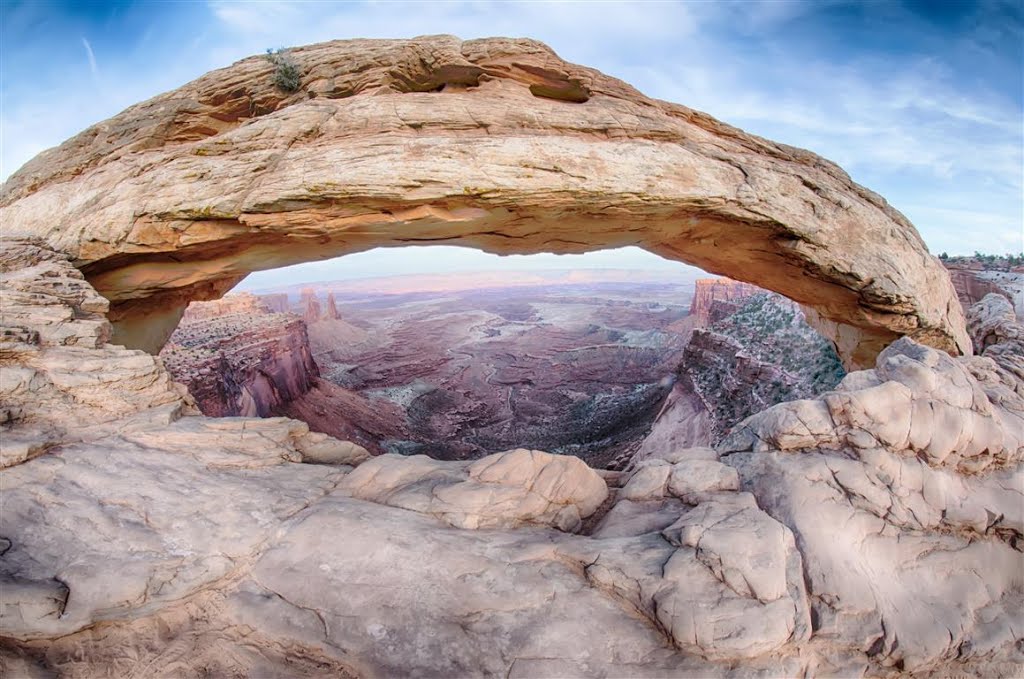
748 349
717 294
496 144
973 279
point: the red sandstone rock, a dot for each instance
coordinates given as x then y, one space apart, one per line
710 290
238 359
331 309
311 312
277 304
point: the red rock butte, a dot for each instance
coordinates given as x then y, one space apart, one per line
496 144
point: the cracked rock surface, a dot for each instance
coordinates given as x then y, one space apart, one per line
829 538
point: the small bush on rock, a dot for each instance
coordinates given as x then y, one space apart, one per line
287 75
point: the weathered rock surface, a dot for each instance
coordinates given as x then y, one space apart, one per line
58 377
496 144
833 558
238 359
974 279
757 351
499 491
714 298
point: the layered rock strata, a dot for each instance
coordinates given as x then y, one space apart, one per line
757 351
713 299
496 144
238 359
973 280
875 530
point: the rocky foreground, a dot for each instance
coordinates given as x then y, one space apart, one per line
150 541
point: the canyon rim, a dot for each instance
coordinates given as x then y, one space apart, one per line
870 530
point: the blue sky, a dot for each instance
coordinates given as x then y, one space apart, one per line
922 102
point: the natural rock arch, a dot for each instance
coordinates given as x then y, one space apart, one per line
496 144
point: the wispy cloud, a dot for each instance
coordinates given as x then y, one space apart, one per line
92 59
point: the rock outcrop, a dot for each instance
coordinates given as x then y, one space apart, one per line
973 280
331 312
59 379
714 298
311 310
276 304
496 144
874 530
757 351
238 359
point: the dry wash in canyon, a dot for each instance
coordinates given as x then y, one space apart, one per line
873 529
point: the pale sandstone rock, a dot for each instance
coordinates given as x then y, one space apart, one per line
917 401
630 518
992 321
692 478
324 449
650 482
882 577
499 491
493 143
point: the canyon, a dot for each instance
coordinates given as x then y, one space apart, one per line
574 366
870 525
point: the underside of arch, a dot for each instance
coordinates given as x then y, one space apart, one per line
495 144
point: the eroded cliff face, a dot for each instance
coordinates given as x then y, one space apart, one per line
874 530
717 295
237 358
973 280
496 144
748 349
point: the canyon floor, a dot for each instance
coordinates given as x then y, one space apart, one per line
578 369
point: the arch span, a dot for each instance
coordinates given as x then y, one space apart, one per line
496 144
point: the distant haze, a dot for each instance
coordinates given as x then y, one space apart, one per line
621 265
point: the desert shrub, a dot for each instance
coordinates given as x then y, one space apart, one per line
287 76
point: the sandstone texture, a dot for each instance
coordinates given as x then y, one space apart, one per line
715 298
236 358
837 536
975 278
496 144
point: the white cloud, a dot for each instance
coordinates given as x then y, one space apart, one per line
92 59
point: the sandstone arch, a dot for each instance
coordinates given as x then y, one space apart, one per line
496 144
